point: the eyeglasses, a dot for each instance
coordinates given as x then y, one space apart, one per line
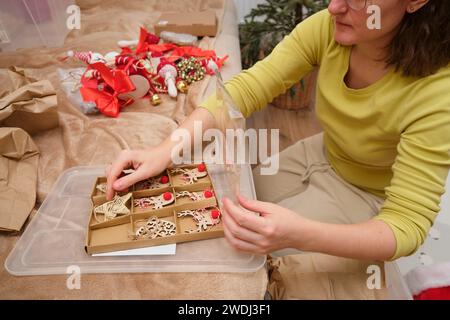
356 4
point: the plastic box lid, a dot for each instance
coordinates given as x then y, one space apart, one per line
55 238
33 23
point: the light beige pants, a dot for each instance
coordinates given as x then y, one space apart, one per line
307 184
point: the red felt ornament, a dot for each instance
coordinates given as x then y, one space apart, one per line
167 196
208 194
201 167
164 179
215 214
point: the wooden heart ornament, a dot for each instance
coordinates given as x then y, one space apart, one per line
142 87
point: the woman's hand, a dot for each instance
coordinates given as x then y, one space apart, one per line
279 228
274 229
146 163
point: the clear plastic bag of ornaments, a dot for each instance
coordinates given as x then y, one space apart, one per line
70 80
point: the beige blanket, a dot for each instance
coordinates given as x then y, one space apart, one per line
93 140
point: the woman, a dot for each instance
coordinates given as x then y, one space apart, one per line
369 187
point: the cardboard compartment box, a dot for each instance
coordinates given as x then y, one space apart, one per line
202 23
178 205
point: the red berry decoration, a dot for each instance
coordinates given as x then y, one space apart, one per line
167 196
201 167
215 214
164 179
208 194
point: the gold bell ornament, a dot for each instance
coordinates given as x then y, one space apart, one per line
182 86
155 100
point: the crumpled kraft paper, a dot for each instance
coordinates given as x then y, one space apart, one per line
18 176
26 103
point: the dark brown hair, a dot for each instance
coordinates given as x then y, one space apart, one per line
422 44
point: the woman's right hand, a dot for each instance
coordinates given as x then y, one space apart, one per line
146 163
151 162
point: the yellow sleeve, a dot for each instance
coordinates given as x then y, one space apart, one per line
419 176
291 59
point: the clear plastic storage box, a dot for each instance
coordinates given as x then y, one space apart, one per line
55 238
34 23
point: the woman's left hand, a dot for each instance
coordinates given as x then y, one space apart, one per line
274 229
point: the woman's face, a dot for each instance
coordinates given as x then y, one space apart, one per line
351 26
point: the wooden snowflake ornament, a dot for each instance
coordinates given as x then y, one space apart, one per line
155 228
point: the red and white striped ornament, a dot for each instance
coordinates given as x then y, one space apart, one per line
121 60
88 57
93 74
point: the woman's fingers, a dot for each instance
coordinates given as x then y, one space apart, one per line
255 205
244 219
241 244
240 232
124 161
130 179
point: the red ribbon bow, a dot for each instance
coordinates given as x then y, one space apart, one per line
107 100
146 41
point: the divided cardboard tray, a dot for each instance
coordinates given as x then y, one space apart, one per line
178 205
68 228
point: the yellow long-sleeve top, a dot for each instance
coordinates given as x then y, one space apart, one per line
391 138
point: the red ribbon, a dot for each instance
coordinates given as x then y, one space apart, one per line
180 52
107 100
146 39
158 50
89 82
